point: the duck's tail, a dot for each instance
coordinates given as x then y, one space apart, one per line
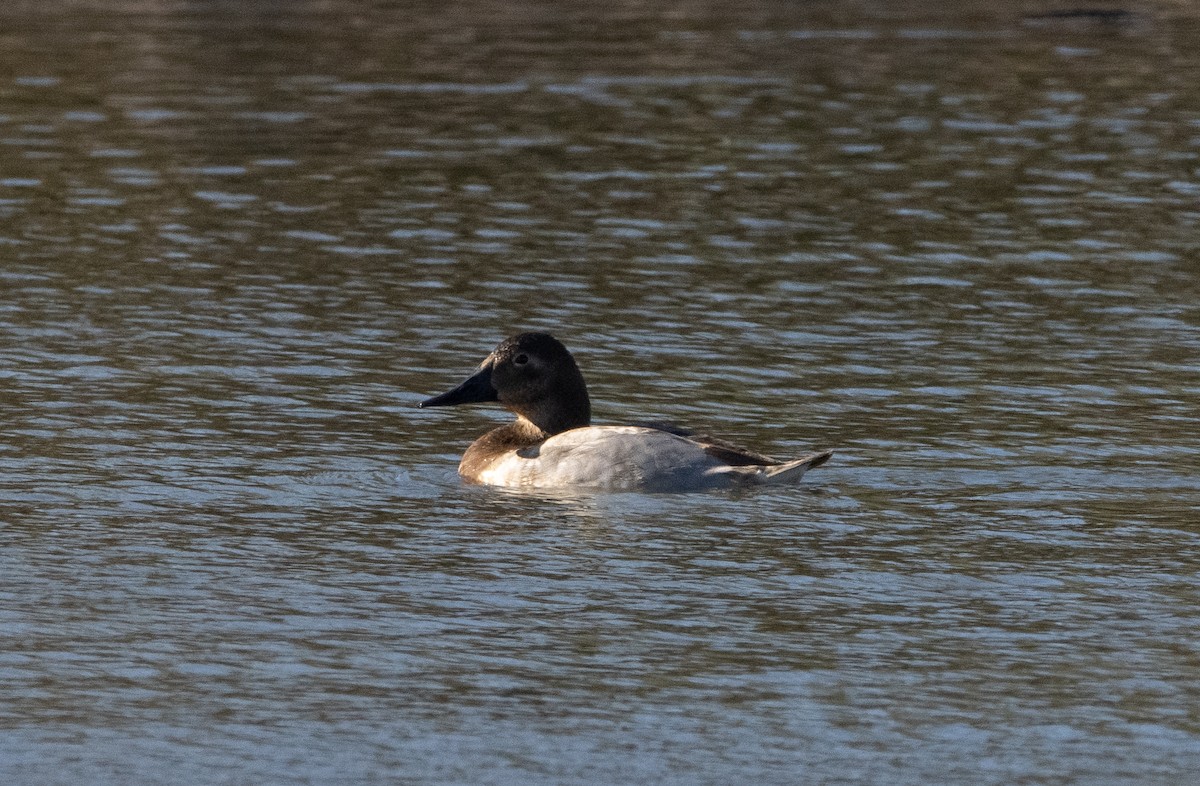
779 474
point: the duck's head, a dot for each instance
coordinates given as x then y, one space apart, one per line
534 376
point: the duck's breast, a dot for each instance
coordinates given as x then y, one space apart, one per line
608 457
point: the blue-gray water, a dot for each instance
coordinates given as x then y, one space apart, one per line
240 241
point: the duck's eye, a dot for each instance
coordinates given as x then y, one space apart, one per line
521 359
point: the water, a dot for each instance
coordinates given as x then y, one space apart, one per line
240 242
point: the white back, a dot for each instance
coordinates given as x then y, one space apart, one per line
610 457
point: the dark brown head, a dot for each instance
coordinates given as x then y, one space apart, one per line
534 376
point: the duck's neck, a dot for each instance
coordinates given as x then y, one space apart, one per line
567 411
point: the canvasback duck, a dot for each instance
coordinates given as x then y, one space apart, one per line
552 443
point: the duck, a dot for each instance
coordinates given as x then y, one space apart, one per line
552 444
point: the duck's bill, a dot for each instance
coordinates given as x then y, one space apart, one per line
474 390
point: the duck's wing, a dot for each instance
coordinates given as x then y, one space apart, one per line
780 474
720 449
665 425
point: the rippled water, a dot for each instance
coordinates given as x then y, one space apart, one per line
240 242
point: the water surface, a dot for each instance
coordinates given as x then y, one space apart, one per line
240 242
